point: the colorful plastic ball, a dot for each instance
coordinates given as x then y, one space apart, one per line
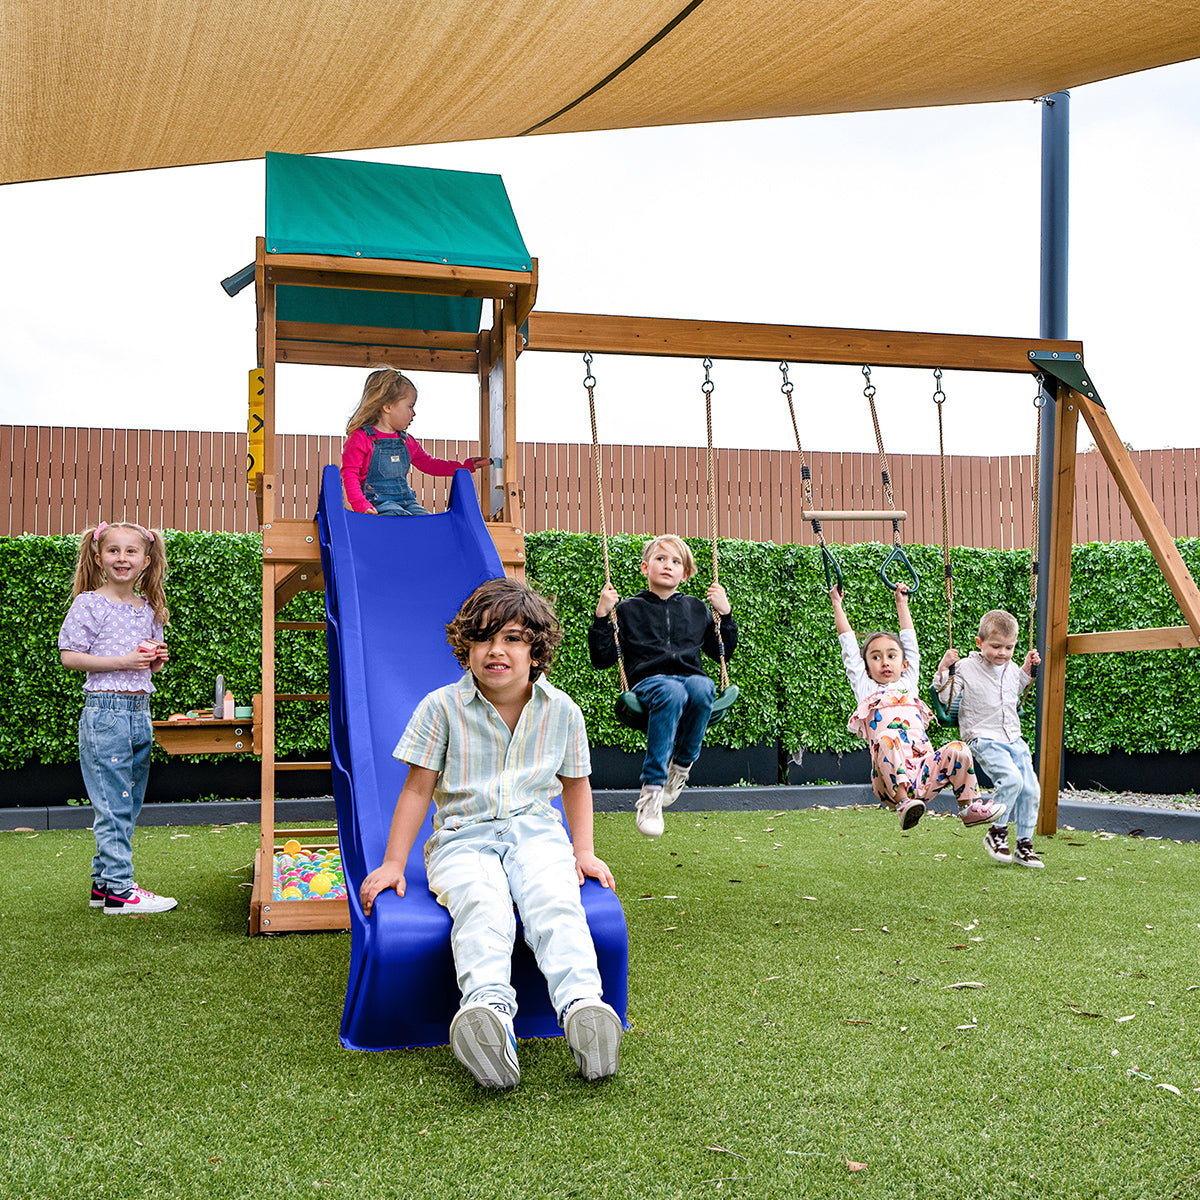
292 847
291 893
320 884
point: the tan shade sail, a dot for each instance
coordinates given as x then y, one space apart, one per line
91 86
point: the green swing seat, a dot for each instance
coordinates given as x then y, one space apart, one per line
631 712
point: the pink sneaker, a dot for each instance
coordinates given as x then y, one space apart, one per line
980 811
910 811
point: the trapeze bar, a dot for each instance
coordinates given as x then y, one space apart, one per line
846 514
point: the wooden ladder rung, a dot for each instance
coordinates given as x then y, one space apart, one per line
847 514
303 766
301 695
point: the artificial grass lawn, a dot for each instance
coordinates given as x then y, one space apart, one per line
792 1007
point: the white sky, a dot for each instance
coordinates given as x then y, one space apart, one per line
913 220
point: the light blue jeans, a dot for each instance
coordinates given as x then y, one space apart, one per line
114 754
478 873
1010 766
399 508
677 708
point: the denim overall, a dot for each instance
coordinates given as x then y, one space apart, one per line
386 485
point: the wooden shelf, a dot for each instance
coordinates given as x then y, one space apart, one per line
207 735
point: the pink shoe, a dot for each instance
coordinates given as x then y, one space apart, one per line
910 811
979 812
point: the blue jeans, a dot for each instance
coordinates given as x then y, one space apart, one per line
677 708
114 755
1010 766
478 872
399 508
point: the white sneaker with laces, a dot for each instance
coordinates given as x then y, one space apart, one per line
594 1031
995 842
649 811
482 1039
137 902
677 778
1025 854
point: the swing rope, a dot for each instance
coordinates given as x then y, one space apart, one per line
832 570
946 711
939 398
1039 403
897 554
707 387
589 382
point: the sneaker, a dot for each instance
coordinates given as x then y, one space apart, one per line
649 810
1025 854
99 895
995 842
594 1031
677 778
910 810
136 902
482 1038
980 810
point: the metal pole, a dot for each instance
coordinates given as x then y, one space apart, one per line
1056 154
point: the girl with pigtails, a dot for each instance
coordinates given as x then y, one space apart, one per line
113 633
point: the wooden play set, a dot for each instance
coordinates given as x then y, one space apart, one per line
368 265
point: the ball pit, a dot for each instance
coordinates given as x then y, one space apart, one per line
308 873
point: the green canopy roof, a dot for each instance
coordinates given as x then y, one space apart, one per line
355 209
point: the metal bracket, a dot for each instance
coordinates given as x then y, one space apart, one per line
1068 369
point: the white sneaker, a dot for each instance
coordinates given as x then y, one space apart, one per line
136 902
482 1038
1025 854
677 778
649 810
594 1031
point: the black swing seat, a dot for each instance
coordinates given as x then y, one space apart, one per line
631 712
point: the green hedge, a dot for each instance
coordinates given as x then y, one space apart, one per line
787 665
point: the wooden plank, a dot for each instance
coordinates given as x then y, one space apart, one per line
208 736
358 335
395 275
1149 521
607 334
108 452
1058 583
24 488
7 464
1176 637
334 354
291 541
851 514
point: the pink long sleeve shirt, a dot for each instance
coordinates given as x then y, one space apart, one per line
356 458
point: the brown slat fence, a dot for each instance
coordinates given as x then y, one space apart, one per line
60 480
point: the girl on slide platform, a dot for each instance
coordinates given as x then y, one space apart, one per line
378 453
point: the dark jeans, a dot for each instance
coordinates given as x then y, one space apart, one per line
678 708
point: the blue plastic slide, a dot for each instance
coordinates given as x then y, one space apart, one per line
391 586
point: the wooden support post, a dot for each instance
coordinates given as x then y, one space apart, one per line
1141 505
1058 601
502 423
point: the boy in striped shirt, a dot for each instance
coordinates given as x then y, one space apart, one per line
492 751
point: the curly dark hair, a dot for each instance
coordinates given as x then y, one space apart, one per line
491 606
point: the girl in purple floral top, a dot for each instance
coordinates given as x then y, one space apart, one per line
113 633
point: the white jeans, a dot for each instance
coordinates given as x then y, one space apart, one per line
478 873
1010 766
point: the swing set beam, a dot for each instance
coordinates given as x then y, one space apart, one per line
672 338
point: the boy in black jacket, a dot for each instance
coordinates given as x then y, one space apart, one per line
662 634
